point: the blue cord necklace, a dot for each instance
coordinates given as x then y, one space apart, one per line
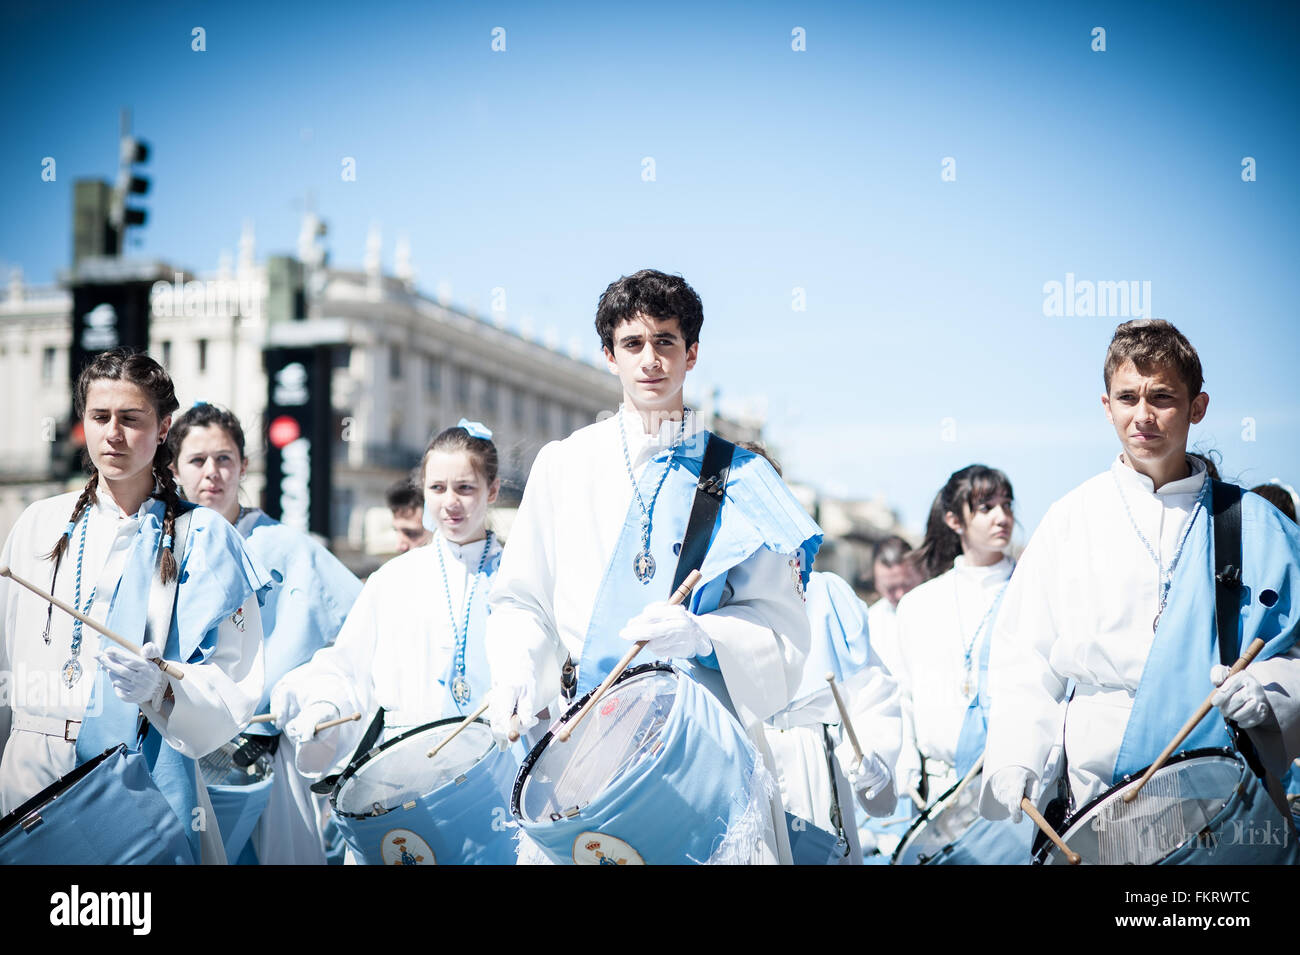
643 564
72 669
460 688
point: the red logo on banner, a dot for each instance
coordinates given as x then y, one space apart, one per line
283 431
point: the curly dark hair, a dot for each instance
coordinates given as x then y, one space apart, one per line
654 294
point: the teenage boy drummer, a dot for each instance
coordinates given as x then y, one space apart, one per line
592 552
1116 592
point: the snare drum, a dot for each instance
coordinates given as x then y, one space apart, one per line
951 831
658 773
1202 807
107 811
239 794
396 806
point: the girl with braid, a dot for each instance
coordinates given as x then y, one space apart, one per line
123 551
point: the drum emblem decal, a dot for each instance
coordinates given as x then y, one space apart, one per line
404 847
597 848
609 707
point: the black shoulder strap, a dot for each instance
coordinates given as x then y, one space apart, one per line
1226 505
704 512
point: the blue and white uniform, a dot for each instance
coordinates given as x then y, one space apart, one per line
1081 607
841 644
943 626
398 648
215 636
567 586
304 609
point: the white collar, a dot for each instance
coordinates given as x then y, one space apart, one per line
1140 483
467 554
106 506
641 445
992 574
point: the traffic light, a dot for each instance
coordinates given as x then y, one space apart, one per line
132 152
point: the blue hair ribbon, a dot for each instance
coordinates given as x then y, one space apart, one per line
476 429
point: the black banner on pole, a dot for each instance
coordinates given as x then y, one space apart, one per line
298 421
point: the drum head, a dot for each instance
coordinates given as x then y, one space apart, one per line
401 770
942 824
616 736
1174 807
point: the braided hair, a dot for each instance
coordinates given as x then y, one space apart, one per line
146 374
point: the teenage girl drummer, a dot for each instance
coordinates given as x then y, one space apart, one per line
124 538
303 611
413 642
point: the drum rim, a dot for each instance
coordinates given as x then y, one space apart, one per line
536 752
925 817
1180 757
356 764
56 789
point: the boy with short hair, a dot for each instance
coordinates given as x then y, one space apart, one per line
590 561
1116 592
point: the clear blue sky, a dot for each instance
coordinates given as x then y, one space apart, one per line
775 170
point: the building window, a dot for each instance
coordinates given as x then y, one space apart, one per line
433 376
203 355
490 397
517 406
47 365
341 356
394 362
167 355
462 388
543 417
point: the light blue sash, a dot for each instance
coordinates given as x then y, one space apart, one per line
758 511
216 577
1176 678
975 726
310 596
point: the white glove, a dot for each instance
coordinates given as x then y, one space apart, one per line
869 777
513 698
285 703
1240 698
135 680
673 632
1010 785
302 728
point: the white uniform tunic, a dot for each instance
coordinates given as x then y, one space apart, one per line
394 649
211 703
1082 606
561 543
882 620
940 650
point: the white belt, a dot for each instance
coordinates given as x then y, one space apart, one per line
48 725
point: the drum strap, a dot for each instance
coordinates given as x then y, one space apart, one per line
325 785
1226 502
709 493
837 816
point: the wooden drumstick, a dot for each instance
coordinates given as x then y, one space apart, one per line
1032 812
513 734
1252 651
970 774
170 669
844 718
262 718
328 723
566 729
459 728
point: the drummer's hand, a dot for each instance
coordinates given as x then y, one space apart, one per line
285 703
1010 785
135 679
672 632
1240 697
511 699
302 728
869 777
